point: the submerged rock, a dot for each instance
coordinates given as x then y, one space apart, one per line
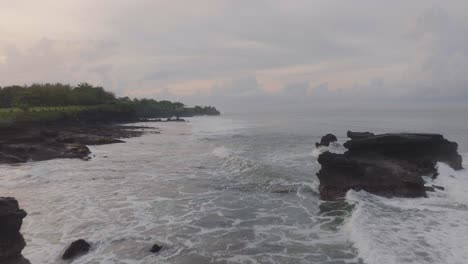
11 240
326 140
388 165
76 248
156 248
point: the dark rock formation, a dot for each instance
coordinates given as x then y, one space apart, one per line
156 248
24 143
11 240
41 151
76 248
89 139
433 188
359 135
8 158
411 147
326 140
177 119
387 165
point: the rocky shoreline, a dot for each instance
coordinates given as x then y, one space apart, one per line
22 143
11 240
388 164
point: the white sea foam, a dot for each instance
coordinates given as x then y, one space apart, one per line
209 126
422 230
335 147
317 151
232 164
243 195
221 152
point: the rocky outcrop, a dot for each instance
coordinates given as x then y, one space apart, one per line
359 135
388 164
177 119
13 153
88 139
11 240
21 144
326 140
76 248
410 147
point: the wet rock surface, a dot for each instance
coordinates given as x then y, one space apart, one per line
177 119
76 248
37 143
11 240
326 140
359 135
388 164
155 248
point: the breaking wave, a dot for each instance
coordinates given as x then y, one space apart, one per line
421 230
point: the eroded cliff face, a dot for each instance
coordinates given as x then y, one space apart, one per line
11 240
388 164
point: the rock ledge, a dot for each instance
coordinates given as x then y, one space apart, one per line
387 164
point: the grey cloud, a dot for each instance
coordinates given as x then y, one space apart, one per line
349 50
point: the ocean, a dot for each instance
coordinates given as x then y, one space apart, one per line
240 188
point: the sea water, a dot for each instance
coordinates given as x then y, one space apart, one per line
239 189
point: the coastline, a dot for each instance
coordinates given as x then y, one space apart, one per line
38 142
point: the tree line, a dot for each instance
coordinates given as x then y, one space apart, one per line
57 94
84 94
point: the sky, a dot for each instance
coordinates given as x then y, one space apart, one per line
240 53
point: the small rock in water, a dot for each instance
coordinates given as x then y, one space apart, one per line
326 140
76 248
438 187
156 248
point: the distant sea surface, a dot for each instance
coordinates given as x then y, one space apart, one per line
240 189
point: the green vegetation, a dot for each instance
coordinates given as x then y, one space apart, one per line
84 102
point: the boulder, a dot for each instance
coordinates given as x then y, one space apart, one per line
11 240
388 164
76 248
326 140
155 248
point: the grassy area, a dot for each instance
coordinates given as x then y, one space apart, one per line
42 114
45 109
119 111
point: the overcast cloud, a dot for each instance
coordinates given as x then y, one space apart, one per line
234 53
